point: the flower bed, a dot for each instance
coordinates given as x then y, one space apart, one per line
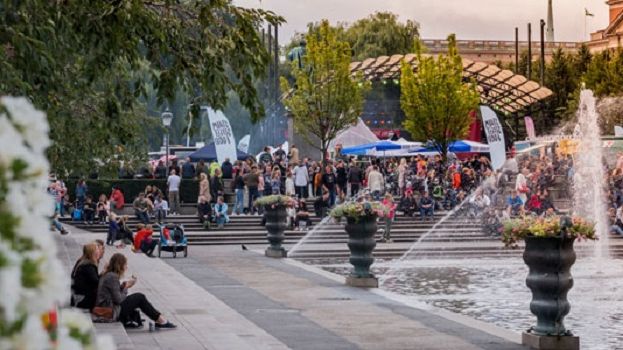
275 200
516 230
357 210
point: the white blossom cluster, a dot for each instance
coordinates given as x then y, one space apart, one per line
23 197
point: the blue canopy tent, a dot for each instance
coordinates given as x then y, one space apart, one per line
208 154
371 148
460 146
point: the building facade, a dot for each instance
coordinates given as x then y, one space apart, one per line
610 37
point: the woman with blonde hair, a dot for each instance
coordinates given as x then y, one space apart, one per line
204 188
85 278
113 295
402 170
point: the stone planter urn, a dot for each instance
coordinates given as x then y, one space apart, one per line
275 225
361 243
549 260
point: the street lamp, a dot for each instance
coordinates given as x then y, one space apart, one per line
167 118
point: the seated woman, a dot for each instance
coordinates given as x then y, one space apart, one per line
111 293
302 215
204 211
143 240
220 212
85 278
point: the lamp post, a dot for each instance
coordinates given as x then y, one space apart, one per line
167 118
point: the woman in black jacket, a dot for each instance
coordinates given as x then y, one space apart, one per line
85 278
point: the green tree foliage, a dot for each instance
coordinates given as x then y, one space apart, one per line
87 64
605 73
325 99
380 34
436 101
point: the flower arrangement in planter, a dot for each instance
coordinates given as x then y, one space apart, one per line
32 278
358 210
275 200
516 230
361 228
549 255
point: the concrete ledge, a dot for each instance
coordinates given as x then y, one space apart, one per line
544 342
367 282
117 332
276 253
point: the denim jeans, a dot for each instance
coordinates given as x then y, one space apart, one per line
253 195
332 198
239 206
220 220
616 229
426 212
142 217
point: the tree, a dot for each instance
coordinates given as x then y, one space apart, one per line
87 64
326 98
380 34
436 101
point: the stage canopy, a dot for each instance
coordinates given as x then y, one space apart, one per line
208 154
378 148
499 88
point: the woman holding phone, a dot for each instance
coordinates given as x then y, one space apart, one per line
114 302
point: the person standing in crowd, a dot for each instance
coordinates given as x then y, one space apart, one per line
354 178
188 169
521 185
81 193
238 185
217 187
279 155
175 167
402 172
275 181
204 187
301 180
117 201
161 170
376 183
174 192
390 206
252 180
228 169
265 157
201 168
329 182
289 186
213 166
293 155
341 180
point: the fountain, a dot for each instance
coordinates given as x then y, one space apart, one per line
588 196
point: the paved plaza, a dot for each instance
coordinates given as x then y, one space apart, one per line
225 298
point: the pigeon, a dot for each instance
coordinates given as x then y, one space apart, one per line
244 247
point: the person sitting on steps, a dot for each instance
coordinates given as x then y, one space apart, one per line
220 212
143 240
111 293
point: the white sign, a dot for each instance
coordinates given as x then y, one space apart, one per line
618 131
495 137
222 135
243 144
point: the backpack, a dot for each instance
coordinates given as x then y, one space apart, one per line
77 215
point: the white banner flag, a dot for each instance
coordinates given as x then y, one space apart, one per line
243 144
495 137
618 131
222 135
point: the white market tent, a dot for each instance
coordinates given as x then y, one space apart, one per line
357 134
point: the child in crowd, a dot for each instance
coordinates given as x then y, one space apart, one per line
390 206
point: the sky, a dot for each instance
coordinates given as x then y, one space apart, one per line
468 19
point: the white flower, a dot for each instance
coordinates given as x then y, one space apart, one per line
65 342
32 337
75 319
33 122
10 283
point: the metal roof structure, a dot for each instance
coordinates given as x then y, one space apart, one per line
499 88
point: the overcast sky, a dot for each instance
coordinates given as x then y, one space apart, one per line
469 19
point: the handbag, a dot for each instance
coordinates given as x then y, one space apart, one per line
104 313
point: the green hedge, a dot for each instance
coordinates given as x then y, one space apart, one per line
189 189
